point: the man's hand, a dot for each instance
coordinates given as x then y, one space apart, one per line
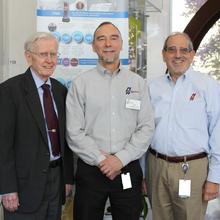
144 187
210 191
10 201
69 189
111 166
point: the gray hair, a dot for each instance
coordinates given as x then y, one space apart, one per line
105 23
31 41
190 44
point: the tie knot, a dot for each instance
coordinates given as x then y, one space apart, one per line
45 87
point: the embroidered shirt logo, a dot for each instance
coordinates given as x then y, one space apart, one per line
128 91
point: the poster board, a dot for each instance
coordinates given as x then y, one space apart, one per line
73 23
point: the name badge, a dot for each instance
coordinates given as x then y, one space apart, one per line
133 104
126 181
184 188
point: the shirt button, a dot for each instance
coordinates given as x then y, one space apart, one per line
44 170
113 113
113 148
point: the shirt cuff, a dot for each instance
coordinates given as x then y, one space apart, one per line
99 159
124 157
214 174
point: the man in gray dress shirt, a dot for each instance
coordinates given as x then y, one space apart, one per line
109 126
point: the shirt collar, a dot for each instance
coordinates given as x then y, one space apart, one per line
38 81
184 75
104 71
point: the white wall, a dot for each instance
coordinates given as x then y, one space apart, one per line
18 23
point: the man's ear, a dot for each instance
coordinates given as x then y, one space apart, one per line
28 57
192 54
93 48
163 55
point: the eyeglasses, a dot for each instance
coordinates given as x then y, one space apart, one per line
45 55
173 50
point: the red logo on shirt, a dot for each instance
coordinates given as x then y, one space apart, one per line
192 97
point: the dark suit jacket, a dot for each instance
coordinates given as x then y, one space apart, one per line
24 152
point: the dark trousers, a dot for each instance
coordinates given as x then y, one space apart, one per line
50 208
93 188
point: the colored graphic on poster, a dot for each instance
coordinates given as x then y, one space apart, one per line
73 23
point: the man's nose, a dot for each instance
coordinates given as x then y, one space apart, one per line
107 42
49 58
178 53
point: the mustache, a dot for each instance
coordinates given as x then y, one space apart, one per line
108 50
179 58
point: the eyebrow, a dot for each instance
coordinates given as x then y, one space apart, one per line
101 36
113 35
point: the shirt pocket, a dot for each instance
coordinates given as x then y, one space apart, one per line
192 114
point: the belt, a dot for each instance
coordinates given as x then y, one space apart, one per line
55 163
178 159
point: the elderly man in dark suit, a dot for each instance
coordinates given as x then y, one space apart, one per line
35 162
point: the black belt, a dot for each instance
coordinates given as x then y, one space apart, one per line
55 163
178 159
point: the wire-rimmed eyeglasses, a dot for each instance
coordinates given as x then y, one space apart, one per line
182 50
45 55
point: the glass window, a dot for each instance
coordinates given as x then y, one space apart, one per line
207 58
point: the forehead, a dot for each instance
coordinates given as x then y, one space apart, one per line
46 43
178 40
107 30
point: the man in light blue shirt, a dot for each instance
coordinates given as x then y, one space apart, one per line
183 163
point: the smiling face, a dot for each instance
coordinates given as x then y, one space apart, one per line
107 44
177 55
43 66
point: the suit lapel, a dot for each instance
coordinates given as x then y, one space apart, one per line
33 101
